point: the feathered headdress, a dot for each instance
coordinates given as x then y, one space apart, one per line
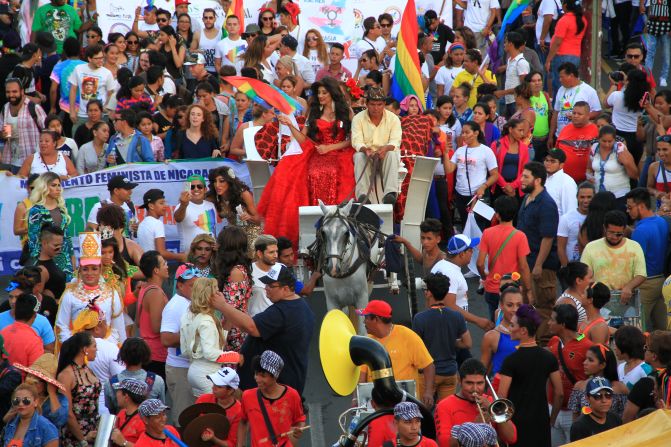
89 317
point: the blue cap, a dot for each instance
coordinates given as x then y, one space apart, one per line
460 243
596 384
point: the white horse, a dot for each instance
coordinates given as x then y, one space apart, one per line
345 269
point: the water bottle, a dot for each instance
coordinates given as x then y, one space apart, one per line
354 422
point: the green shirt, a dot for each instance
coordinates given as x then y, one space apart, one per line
542 125
61 21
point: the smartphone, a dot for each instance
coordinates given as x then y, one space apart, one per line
646 98
187 186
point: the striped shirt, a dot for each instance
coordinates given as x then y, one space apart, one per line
26 136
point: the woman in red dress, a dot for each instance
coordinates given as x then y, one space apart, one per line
323 171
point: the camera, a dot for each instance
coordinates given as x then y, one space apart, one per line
616 76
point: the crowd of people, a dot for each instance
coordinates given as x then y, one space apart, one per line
579 183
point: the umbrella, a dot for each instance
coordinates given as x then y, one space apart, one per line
264 94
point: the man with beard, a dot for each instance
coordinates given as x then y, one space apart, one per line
19 113
58 19
538 219
616 261
209 37
265 247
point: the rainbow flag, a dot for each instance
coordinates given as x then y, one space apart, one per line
407 79
236 9
206 221
514 11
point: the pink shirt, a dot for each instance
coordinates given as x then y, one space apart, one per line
153 339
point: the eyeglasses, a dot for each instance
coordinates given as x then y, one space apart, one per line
208 18
267 18
385 25
197 186
91 36
25 401
633 56
132 42
602 396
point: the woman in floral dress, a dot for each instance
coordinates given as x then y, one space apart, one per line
82 388
234 277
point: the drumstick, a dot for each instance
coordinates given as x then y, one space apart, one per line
284 435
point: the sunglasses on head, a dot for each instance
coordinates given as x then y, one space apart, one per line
25 401
664 138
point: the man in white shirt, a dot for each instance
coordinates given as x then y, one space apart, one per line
210 36
479 17
561 186
517 67
151 231
288 46
195 215
266 255
89 82
230 50
176 366
120 189
568 230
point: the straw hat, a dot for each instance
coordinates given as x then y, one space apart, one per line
43 368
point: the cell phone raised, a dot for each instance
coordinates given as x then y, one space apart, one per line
187 186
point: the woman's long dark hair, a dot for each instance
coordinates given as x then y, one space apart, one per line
576 8
126 87
475 127
604 355
232 251
189 34
637 85
119 264
254 54
601 203
71 349
235 188
442 100
341 109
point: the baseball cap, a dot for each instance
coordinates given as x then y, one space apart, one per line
182 2
194 59
132 386
225 377
271 362
557 154
152 407
119 181
290 42
596 384
471 434
460 243
279 273
407 411
378 308
151 196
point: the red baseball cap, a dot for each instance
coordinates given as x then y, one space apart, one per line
378 308
182 2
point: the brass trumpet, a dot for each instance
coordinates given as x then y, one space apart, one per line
501 410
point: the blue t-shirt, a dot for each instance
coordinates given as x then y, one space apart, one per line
286 328
439 328
652 234
61 73
538 219
40 431
41 326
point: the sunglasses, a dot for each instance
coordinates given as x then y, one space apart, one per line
25 401
206 248
615 233
385 25
602 396
633 56
162 20
132 42
664 138
267 18
364 60
208 18
197 186
189 273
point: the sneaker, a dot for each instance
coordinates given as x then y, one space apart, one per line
662 82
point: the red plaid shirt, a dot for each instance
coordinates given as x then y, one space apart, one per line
28 132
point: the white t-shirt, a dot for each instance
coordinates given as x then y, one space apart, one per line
477 14
304 68
208 48
98 83
199 219
637 373
623 119
313 57
563 190
148 231
259 301
230 51
105 366
366 44
445 76
569 227
170 322
547 7
481 160
566 99
143 26
514 69
93 215
299 34
458 284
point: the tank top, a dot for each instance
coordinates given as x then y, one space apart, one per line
660 184
582 313
153 339
505 347
208 46
38 166
125 254
609 174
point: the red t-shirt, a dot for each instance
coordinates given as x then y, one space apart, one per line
232 414
132 429
574 354
576 143
380 430
284 412
492 239
22 343
146 440
455 410
567 30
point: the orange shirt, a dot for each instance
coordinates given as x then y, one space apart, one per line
574 354
22 343
232 414
131 428
567 30
507 262
380 430
146 440
284 412
576 143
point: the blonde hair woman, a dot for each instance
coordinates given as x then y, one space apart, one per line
284 67
49 209
202 338
315 50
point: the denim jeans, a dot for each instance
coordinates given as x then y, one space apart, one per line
664 42
557 61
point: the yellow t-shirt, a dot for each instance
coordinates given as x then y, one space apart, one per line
407 352
466 77
614 267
